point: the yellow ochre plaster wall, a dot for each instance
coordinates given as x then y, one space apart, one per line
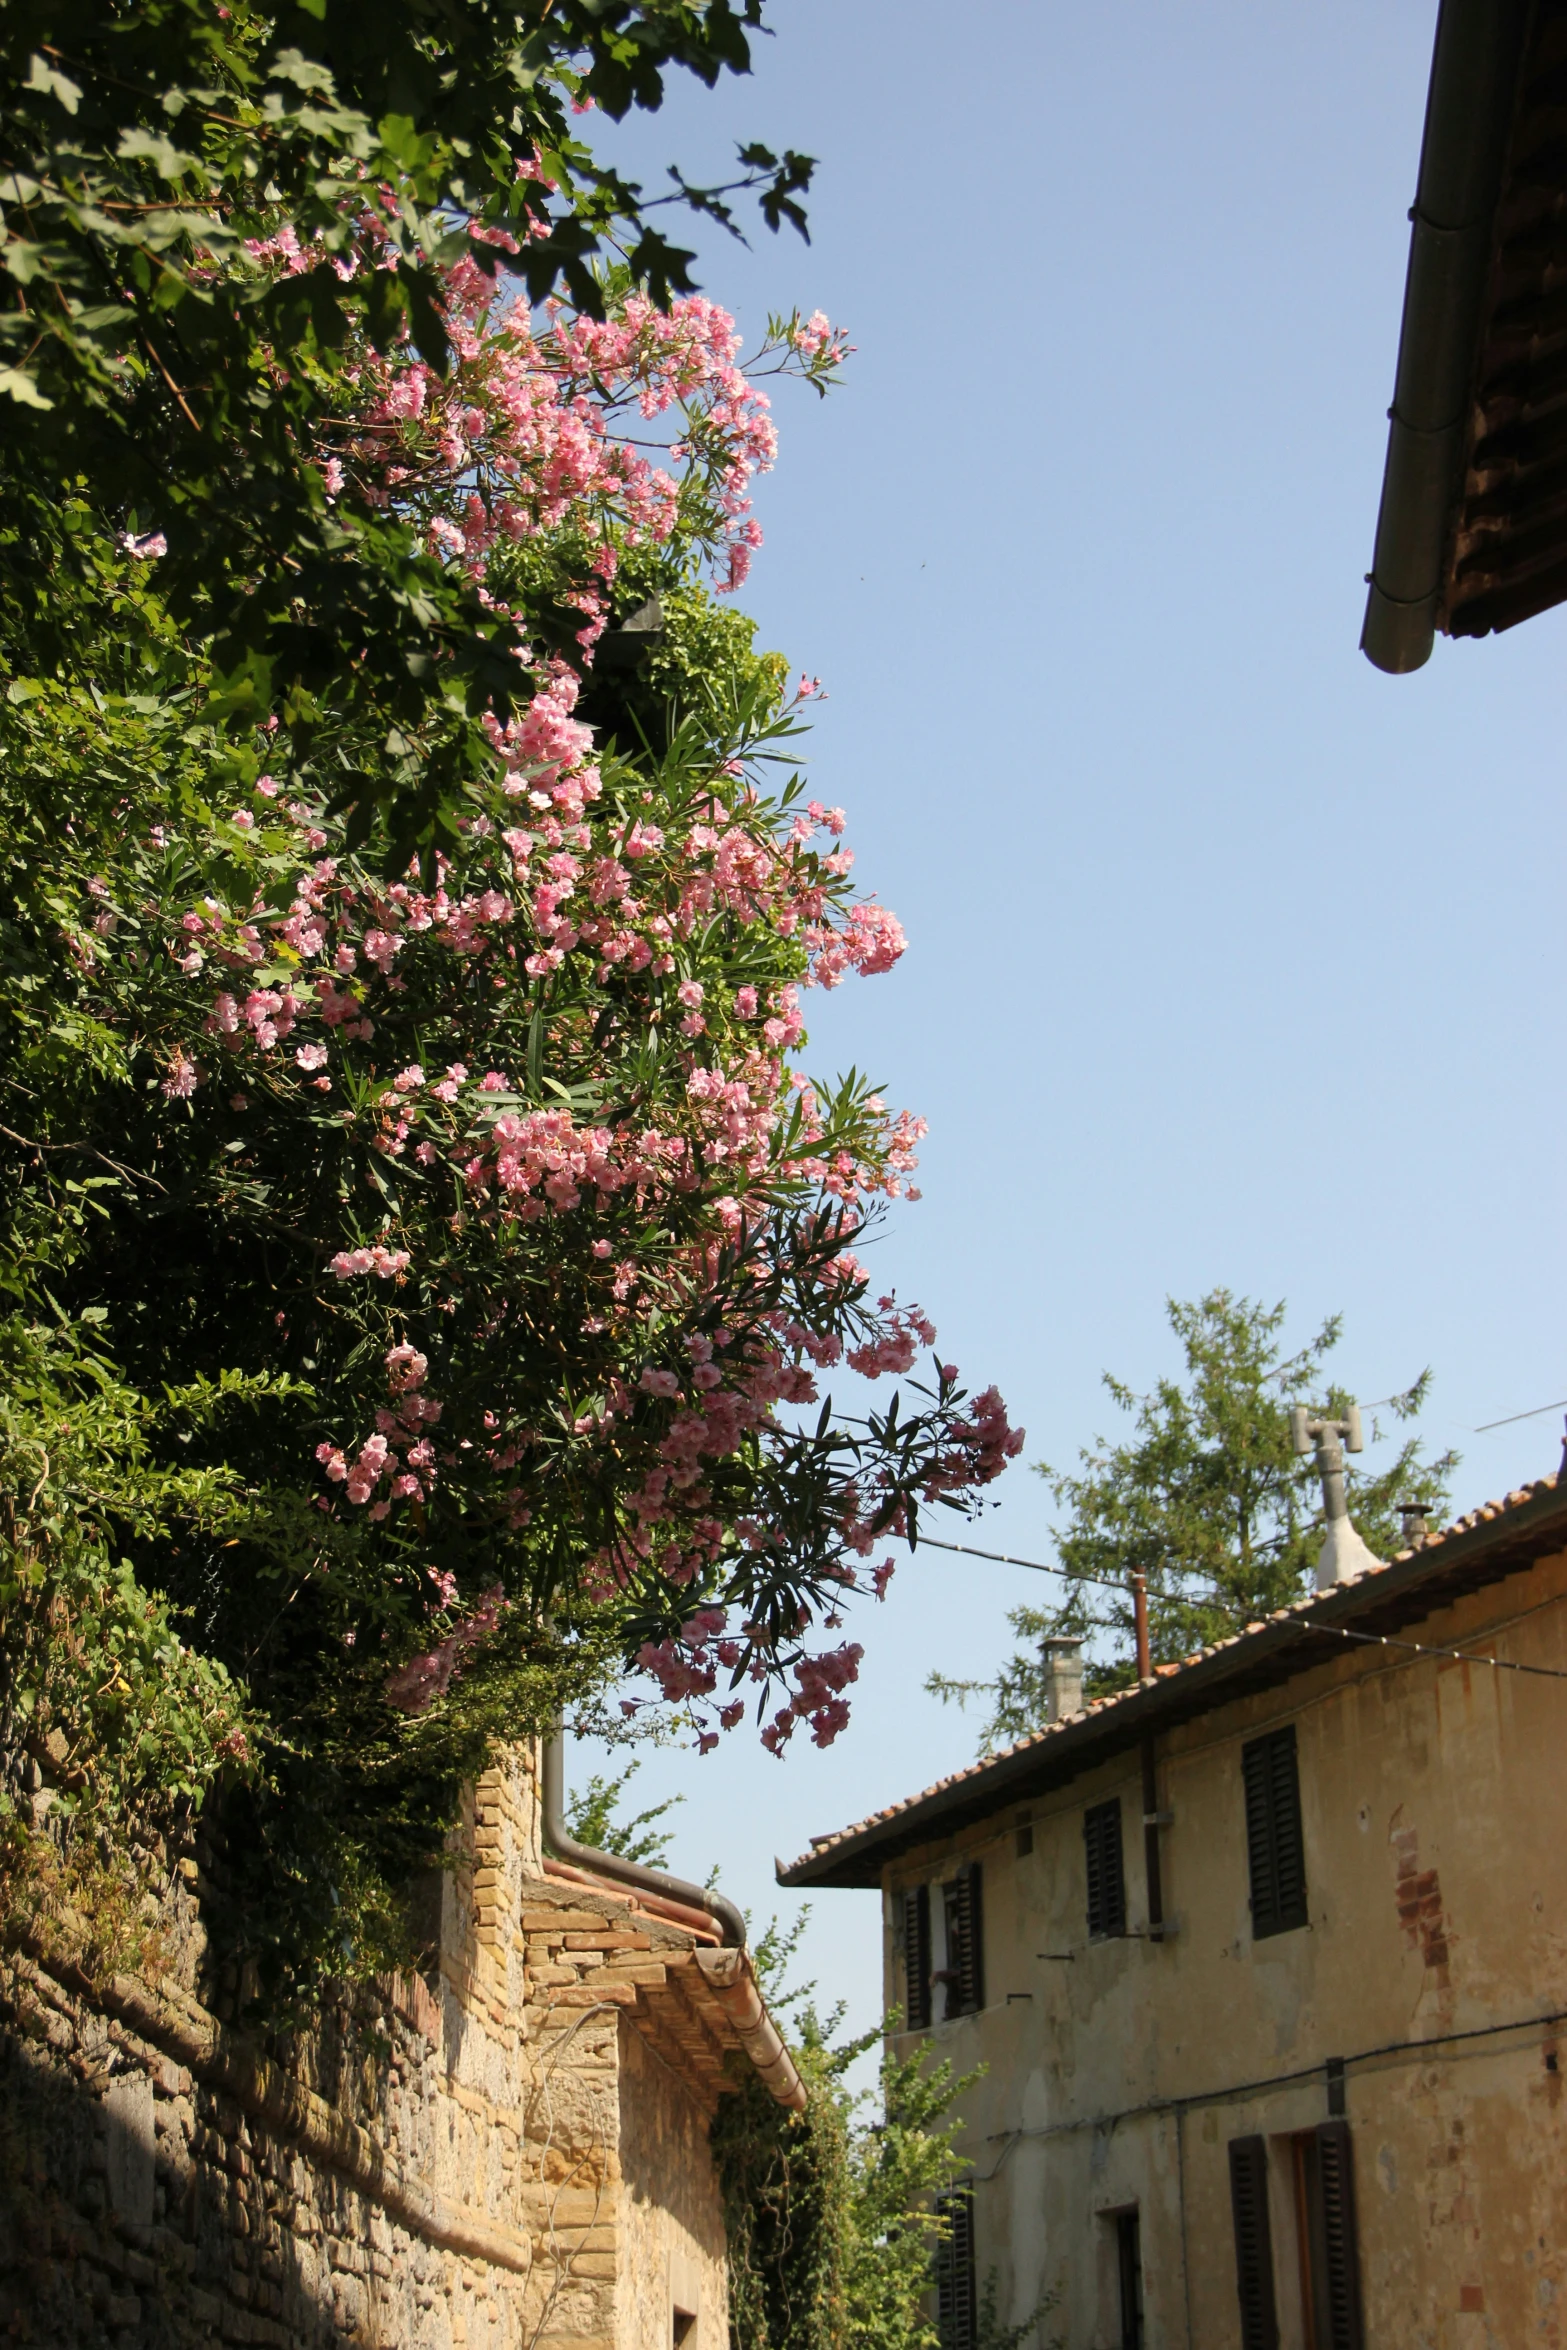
1118 2071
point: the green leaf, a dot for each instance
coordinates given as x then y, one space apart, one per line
21 387
170 162
43 77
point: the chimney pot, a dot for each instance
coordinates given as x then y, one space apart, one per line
1062 1656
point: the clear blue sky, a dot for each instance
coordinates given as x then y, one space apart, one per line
1231 960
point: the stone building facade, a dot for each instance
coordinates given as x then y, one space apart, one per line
1266 1960
509 2153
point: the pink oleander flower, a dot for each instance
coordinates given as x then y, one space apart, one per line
182 1079
558 926
415 1686
386 1264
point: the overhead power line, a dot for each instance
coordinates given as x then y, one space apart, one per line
1463 1656
1004 1558
1513 1418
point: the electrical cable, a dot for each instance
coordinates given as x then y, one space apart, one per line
1463 1656
1073 1574
1513 1418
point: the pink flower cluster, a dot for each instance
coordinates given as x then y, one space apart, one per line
871 941
687 1668
415 1686
569 909
818 1699
379 1474
627 895
183 1078
892 1348
385 1263
522 438
982 1444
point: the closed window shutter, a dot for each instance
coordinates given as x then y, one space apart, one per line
1253 2243
1106 1878
957 2323
1338 2248
1275 1846
968 1960
916 1958
1289 1850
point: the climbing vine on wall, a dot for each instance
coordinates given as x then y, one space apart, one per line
831 2214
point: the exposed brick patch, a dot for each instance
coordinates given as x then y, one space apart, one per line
1418 1893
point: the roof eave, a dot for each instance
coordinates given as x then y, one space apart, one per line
1280 1649
1469 109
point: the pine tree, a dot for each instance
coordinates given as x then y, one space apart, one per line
1206 1497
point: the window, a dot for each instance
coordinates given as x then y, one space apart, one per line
1253 2243
1106 1883
1321 2188
957 2323
1274 1845
1129 2277
964 1972
916 1958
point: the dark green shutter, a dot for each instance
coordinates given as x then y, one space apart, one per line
1275 1847
916 1958
964 1973
1337 2251
1106 1876
969 1960
957 2317
1253 2243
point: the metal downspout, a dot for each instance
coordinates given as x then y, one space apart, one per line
611 1864
729 1971
1469 109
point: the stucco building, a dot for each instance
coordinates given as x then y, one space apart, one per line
1267 1960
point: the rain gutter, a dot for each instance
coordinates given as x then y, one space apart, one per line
1469 109
614 1866
729 1973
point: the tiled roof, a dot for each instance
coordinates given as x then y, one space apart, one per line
1486 1544
695 2002
1472 532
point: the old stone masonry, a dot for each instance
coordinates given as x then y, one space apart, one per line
509 2153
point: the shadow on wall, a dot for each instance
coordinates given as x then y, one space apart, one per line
137 2206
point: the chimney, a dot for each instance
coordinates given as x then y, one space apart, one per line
1415 1520
1062 1656
1343 1553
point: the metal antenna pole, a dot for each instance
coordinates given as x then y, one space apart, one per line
1140 1621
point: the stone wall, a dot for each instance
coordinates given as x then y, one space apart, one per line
511 2155
671 2251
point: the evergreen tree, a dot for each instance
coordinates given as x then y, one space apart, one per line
1207 1497
593 1817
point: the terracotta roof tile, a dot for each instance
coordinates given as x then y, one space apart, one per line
1487 1512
